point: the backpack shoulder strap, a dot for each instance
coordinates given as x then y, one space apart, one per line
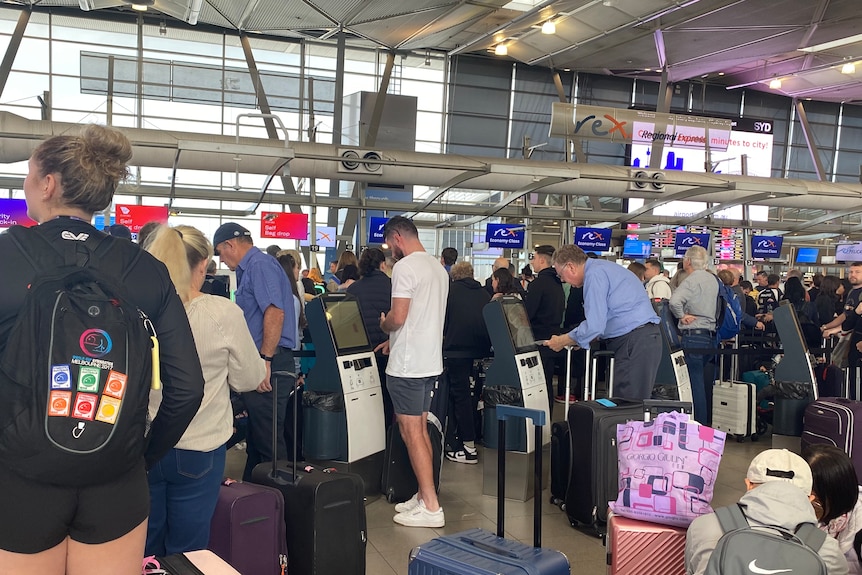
731 518
811 536
42 253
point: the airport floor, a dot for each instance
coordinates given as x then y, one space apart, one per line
465 506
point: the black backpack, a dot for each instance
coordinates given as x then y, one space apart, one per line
76 372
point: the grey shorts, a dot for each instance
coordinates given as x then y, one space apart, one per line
410 395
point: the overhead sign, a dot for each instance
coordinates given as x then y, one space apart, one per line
505 235
324 237
684 241
768 247
638 126
375 230
135 217
593 239
284 225
14 213
389 193
848 252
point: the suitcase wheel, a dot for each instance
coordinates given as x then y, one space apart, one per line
755 437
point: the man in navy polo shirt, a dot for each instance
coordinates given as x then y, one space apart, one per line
264 294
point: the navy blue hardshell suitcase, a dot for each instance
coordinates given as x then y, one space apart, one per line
477 551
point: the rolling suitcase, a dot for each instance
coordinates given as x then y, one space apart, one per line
593 475
734 404
398 482
561 446
832 420
594 471
643 548
247 528
478 551
324 512
734 409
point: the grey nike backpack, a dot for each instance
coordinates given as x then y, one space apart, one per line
772 550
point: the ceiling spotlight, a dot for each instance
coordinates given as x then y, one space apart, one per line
163 28
549 27
501 50
427 57
848 68
609 2
775 84
139 7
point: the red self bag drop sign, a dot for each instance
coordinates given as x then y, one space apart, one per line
135 217
284 225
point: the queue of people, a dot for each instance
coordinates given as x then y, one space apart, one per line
427 317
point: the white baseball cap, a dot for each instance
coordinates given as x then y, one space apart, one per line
780 465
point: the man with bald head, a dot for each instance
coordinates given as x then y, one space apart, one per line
499 263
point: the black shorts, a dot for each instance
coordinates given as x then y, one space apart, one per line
35 517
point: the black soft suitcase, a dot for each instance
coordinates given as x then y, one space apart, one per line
398 482
324 513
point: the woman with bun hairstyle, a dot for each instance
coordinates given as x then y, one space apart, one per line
184 485
99 528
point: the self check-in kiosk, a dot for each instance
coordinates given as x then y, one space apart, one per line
343 422
516 377
795 366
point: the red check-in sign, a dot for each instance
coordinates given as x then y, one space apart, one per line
134 217
284 225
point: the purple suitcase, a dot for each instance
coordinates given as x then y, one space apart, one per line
247 528
832 420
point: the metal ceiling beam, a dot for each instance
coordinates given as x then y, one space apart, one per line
649 206
438 193
12 48
526 16
809 140
515 196
723 206
826 218
271 132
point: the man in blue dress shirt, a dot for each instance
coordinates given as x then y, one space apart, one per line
618 312
264 294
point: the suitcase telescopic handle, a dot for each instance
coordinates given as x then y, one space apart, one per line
273 378
504 413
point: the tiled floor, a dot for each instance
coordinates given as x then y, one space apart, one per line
389 544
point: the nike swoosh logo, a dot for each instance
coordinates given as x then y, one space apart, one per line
755 569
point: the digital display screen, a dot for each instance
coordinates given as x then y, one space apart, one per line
807 255
345 323
637 249
519 325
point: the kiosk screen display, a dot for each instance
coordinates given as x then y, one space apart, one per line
519 326
345 323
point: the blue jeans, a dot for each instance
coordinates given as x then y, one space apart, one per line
701 371
184 488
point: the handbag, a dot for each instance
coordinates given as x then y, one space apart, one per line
667 469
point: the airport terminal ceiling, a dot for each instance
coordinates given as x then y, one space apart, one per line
740 45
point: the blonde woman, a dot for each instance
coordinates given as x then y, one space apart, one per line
184 485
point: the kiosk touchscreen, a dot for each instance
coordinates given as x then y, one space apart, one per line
343 418
516 373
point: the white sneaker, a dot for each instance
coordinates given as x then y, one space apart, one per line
419 516
408 505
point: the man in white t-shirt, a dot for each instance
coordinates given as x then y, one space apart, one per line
415 349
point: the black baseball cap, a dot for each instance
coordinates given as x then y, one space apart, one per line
228 231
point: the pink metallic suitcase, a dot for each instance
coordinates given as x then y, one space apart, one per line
642 548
